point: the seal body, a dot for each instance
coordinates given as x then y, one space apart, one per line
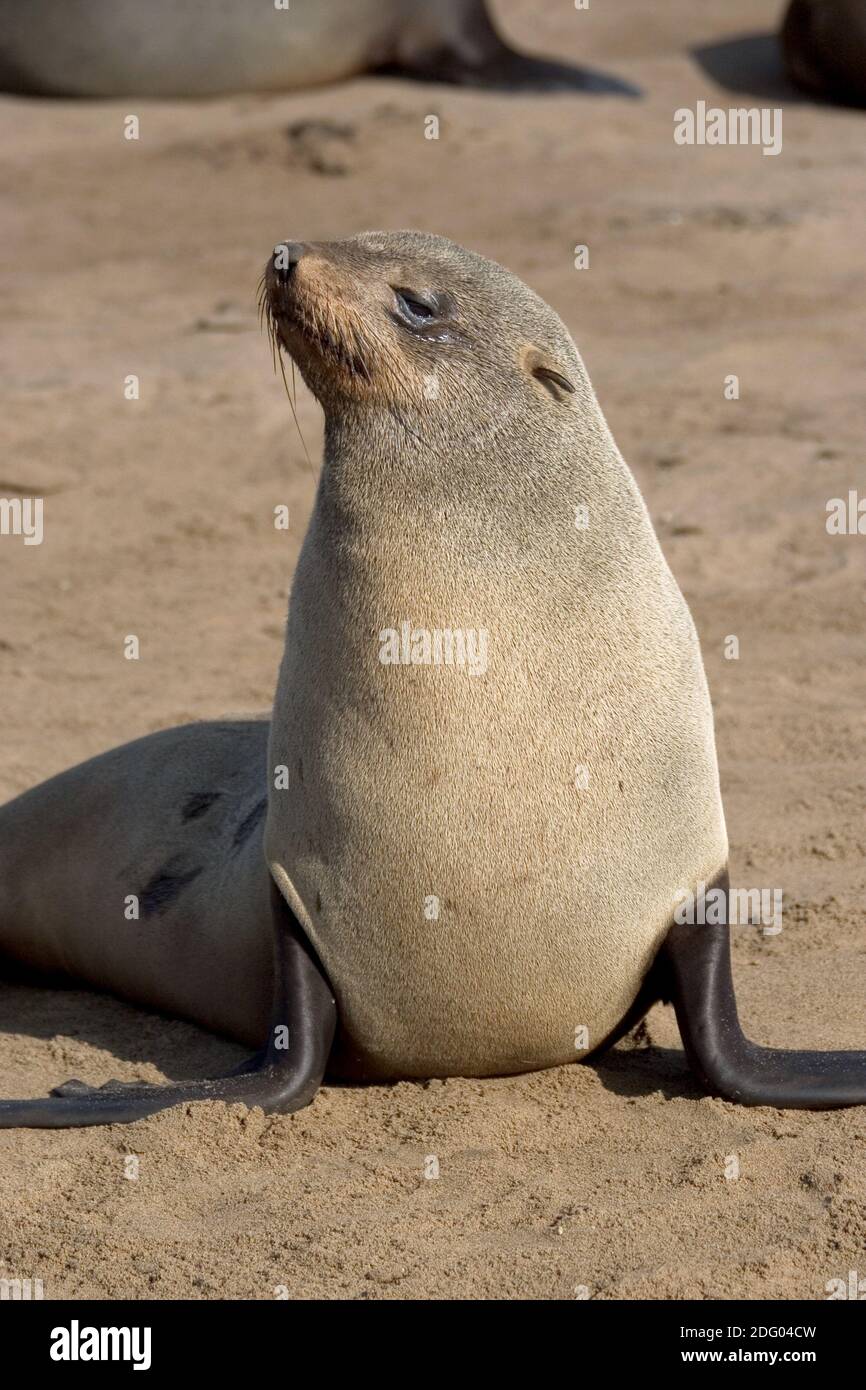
112 48
484 859
824 47
141 872
199 48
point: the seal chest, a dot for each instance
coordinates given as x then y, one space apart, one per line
493 722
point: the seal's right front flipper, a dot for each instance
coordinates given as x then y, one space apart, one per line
700 984
282 1078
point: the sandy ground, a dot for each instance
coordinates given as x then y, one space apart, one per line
143 258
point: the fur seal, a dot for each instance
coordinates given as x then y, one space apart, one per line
490 772
200 48
824 47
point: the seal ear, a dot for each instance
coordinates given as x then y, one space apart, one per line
541 366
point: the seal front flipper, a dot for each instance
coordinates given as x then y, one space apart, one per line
282 1078
698 964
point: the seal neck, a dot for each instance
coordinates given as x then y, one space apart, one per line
379 458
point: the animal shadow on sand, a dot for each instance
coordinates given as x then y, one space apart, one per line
182 1051
751 65
58 1009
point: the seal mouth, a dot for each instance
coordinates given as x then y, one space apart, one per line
306 326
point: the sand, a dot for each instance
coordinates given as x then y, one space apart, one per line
142 258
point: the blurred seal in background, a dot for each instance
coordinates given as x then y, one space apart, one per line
201 48
824 47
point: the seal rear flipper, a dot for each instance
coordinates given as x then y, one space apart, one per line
282 1078
457 42
701 987
508 71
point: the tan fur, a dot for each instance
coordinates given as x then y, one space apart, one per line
453 506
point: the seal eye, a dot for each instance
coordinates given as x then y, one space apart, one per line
413 308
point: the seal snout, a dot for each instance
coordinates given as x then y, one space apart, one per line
284 298
312 312
285 259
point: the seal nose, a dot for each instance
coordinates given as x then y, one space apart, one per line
286 257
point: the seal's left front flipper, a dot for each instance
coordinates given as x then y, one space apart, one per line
282 1078
697 962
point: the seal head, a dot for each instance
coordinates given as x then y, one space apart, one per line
403 320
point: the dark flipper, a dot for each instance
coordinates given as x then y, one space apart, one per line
474 54
698 968
279 1078
506 70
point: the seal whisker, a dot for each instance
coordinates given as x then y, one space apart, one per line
295 416
400 421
